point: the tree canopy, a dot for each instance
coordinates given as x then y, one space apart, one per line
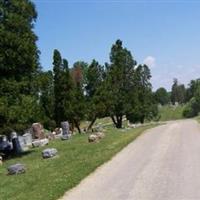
117 89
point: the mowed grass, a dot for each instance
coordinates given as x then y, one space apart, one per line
198 119
49 179
171 113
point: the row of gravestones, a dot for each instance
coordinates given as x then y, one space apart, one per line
26 139
47 153
51 152
34 137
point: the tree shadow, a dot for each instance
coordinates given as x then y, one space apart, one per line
12 155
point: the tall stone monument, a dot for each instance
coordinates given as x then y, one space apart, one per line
65 130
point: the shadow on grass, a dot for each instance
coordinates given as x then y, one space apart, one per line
12 155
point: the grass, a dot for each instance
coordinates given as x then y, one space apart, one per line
198 119
49 179
171 113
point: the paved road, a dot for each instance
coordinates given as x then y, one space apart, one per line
162 164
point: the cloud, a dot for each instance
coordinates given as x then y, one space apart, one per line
150 61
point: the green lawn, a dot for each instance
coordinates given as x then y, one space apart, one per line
49 179
198 119
171 113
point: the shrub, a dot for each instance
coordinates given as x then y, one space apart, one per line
192 108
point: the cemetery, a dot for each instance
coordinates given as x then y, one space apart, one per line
58 164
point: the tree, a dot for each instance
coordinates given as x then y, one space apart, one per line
58 98
192 108
143 105
45 89
161 96
174 92
119 80
63 90
190 91
18 63
95 103
178 93
79 104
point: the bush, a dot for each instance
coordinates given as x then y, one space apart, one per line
192 108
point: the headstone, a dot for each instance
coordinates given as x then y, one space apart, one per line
65 130
130 125
17 149
16 169
38 131
51 136
28 138
100 135
57 131
5 145
22 143
49 153
92 138
40 143
1 160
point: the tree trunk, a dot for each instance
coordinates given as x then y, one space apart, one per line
77 126
91 123
142 119
118 121
72 127
113 119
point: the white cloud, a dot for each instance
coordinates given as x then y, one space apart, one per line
150 61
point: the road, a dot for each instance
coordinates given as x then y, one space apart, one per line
162 164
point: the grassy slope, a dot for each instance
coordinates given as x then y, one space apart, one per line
198 119
49 179
171 113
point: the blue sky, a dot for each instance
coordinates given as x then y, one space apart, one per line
163 34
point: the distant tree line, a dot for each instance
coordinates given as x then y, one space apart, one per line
192 108
79 92
188 96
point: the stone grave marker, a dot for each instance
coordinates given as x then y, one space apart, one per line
49 153
65 130
37 131
16 169
17 149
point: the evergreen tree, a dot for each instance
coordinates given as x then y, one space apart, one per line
95 102
143 105
174 92
63 90
18 64
58 98
79 103
119 80
192 108
178 93
45 88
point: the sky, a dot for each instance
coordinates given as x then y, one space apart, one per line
163 34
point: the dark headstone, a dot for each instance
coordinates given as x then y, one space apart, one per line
17 149
16 169
5 146
49 153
